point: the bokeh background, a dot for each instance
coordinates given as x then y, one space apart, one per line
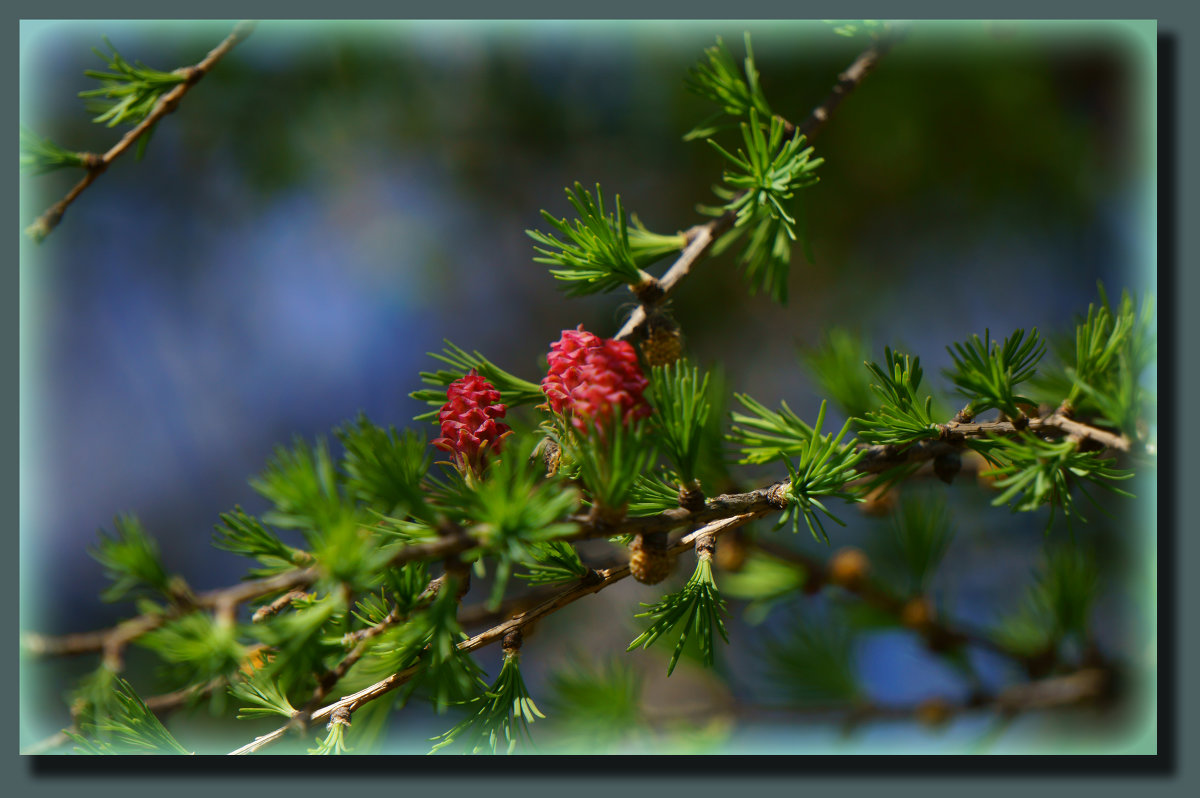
334 199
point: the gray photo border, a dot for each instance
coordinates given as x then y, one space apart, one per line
712 776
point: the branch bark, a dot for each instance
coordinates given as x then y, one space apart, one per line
955 434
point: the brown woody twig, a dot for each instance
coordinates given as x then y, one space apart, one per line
701 237
126 631
97 164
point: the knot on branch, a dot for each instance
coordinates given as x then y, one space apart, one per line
732 554
918 614
339 717
180 593
691 498
511 642
605 517
880 501
706 545
93 162
934 712
778 495
947 465
649 291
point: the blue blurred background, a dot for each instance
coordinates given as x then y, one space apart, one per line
335 199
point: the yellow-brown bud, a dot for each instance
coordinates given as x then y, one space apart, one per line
848 568
663 342
917 613
731 554
880 501
934 712
946 466
551 457
649 562
255 660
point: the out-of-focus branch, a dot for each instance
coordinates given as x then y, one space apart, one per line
1073 689
847 82
916 612
126 631
97 164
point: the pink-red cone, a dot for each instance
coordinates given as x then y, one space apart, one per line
591 376
470 422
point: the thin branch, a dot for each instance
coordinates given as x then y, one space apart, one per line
1055 692
96 165
1056 421
847 82
159 704
480 614
362 638
594 582
882 457
126 631
701 237
276 606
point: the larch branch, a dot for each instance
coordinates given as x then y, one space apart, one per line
701 237
877 459
594 582
124 632
96 165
